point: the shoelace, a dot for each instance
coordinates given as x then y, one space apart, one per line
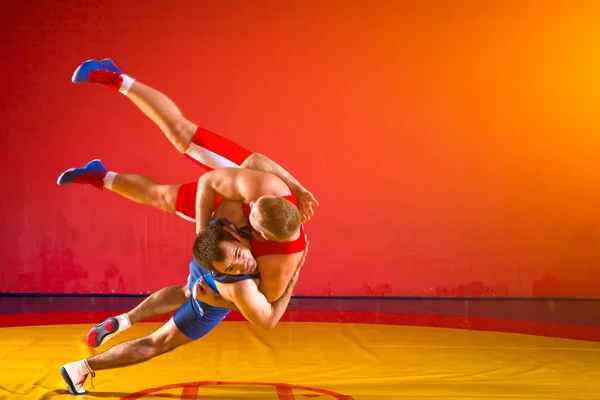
93 375
92 379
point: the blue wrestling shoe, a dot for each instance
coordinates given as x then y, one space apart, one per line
97 71
92 173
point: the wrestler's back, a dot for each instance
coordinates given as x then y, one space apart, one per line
233 211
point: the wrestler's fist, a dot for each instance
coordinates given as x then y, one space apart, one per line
305 203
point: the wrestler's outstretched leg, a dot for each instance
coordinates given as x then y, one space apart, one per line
137 188
202 146
165 339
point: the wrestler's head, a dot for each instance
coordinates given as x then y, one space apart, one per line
222 250
276 218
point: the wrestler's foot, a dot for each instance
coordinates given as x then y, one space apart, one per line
99 71
75 374
108 329
92 173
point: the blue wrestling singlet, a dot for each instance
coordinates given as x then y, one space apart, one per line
195 318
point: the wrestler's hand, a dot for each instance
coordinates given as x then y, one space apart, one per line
305 203
204 293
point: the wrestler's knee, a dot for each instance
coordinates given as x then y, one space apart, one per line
253 160
164 341
181 132
164 197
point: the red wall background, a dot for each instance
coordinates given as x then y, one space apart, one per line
453 145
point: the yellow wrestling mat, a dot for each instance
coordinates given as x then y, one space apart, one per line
311 361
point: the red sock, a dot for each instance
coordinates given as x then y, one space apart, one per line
112 79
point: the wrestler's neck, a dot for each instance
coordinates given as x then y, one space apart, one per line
261 237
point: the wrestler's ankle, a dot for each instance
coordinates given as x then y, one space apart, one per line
125 321
89 365
127 82
108 179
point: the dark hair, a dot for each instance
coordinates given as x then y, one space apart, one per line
207 249
278 217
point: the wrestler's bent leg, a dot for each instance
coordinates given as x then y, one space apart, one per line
138 188
158 303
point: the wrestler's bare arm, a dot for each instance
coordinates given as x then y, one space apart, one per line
246 298
275 277
233 184
253 304
260 162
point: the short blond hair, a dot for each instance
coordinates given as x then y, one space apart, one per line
279 218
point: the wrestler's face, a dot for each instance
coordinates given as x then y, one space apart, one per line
238 259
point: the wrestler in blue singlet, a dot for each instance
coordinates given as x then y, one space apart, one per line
195 318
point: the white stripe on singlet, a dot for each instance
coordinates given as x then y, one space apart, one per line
209 158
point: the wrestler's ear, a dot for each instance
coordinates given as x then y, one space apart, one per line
231 229
264 236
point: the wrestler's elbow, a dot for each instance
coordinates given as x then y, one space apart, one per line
269 326
267 323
